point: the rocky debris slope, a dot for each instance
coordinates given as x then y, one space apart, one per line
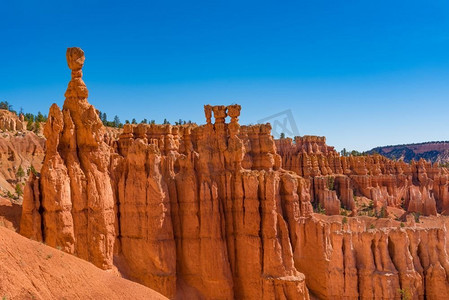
32 270
186 210
435 152
416 187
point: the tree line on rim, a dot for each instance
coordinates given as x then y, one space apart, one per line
33 121
117 124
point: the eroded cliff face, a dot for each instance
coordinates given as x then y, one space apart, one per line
418 187
209 212
171 206
9 121
210 228
20 149
364 258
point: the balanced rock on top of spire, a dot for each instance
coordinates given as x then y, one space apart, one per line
75 60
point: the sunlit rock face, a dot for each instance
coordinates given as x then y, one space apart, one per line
75 192
416 187
222 211
171 206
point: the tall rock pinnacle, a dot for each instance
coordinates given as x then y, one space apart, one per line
77 88
75 190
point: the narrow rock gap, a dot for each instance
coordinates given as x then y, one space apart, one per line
373 253
222 209
391 252
312 192
420 255
283 201
119 224
198 200
243 201
261 199
343 255
225 217
41 212
359 281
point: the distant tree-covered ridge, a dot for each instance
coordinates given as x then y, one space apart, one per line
434 151
411 144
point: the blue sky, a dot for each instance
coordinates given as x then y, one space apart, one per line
362 73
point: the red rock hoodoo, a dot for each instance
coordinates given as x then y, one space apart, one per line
351 258
418 187
74 189
222 211
172 203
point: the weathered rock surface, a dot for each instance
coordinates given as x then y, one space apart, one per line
32 270
18 150
364 258
210 211
416 187
182 214
74 188
32 211
9 121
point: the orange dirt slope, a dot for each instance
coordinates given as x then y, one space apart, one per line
31 270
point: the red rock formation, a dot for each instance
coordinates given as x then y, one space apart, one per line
18 150
182 214
217 212
75 189
209 212
351 258
31 220
418 187
9 121
144 221
367 259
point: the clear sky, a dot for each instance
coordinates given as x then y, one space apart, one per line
362 73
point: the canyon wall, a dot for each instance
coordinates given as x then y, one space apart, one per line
373 255
20 149
170 206
222 211
365 258
417 187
